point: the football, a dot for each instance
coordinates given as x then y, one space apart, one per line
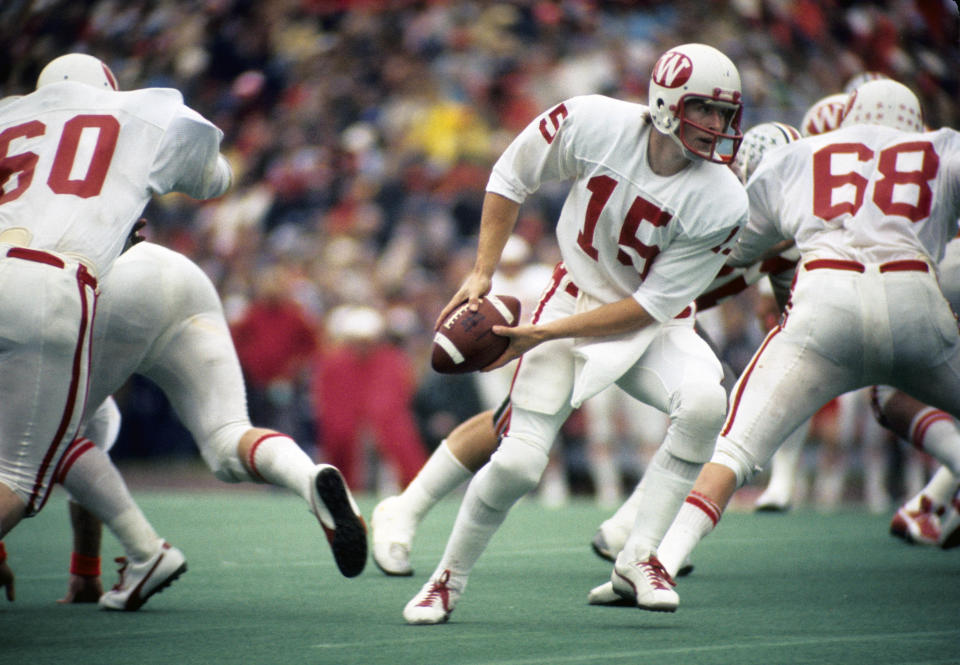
465 341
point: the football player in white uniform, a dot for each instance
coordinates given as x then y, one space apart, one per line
469 445
652 212
80 161
871 209
160 317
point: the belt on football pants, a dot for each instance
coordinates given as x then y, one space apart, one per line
39 256
905 265
560 271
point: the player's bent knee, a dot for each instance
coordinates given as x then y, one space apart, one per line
514 469
702 407
736 459
696 419
219 451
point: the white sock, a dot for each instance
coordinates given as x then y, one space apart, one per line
278 460
606 478
626 514
664 486
939 490
92 480
472 531
935 432
876 442
784 463
828 486
697 517
442 474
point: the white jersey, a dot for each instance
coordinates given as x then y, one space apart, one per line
862 193
623 229
79 164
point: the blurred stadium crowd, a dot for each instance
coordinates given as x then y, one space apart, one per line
361 134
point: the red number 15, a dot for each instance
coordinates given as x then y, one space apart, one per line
631 250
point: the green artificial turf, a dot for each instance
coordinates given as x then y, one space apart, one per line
262 588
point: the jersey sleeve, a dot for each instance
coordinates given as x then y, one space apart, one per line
540 153
762 231
189 160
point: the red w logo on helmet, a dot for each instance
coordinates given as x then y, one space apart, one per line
672 70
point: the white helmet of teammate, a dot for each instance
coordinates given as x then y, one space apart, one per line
757 141
697 71
78 67
859 79
825 115
884 102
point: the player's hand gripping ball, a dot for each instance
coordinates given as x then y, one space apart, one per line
465 341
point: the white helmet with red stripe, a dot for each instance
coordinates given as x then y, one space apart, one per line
758 140
78 67
884 102
697 71
825 115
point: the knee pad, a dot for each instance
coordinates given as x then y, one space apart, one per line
219 451
514 469
736 459
697 412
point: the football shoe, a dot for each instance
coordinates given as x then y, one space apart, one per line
918 524
950 525
609 540
607 543
393 532
338 514
139 581
434 603
647 581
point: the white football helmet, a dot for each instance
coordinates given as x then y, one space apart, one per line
859 79
884 102
825 115
78 67
758 140
697 71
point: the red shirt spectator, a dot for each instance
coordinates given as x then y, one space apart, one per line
364 384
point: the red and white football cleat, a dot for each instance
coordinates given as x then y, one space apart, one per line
139 581
918 523
647 581
434 603
950 525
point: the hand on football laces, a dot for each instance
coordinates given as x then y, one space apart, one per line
473 289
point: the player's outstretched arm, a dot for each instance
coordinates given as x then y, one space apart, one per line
85 585
497 220
623 316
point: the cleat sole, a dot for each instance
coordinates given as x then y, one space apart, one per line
348 539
